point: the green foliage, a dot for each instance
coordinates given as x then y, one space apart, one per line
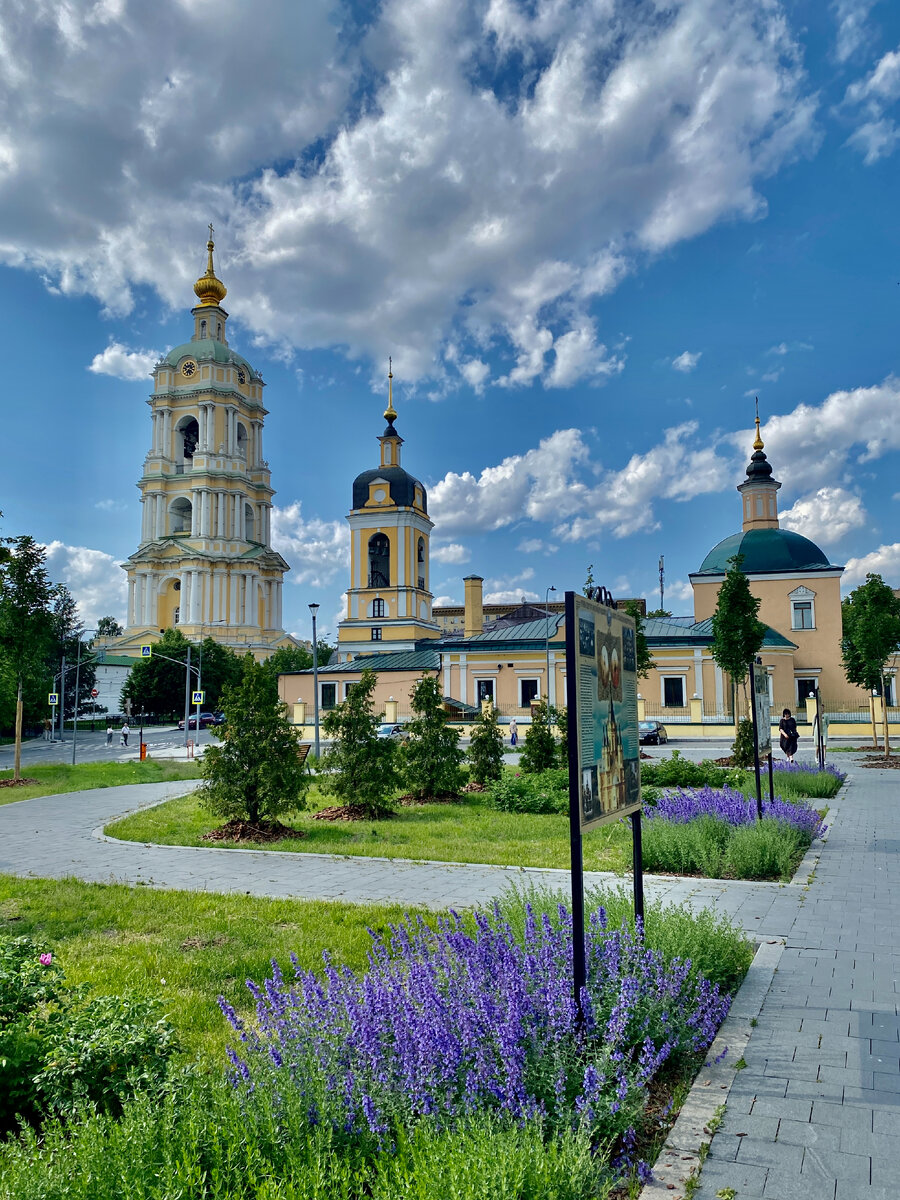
59 1048
296 658
361 767
485 754
109 627
678 771
562 746
539 753
432 757
547 792
220 668
871 632
155 684
737 631
656 614
742 752
767 849
817 785
642 650
589 583
256 774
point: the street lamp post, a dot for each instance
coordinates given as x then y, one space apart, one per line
547 646
314 608
77 682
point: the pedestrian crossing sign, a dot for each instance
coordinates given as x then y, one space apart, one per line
146 650
198 697
53 698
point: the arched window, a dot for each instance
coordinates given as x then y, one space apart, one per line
180 516
377 608
379 561
241 440
249 523
219 330
187 435
421 560
203 329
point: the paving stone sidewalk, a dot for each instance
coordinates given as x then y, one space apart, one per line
61 836
816 1112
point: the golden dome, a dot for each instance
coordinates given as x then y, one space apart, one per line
208 288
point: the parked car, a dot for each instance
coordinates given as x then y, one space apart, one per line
652 733
206 719
392 731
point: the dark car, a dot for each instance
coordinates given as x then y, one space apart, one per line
652 733
206 719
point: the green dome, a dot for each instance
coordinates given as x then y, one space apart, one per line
208 350
766 551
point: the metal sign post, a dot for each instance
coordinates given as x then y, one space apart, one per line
762 723
604 755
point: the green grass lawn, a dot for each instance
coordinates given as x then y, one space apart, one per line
469 830
85 776
184 947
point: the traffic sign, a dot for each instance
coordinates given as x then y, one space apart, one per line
53 698
94 693
146 650
198 697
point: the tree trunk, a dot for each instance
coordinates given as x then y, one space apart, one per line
872 718
884 717
17 761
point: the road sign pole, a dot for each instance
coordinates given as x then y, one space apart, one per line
637 866
579 964
62 700
187 696
755 741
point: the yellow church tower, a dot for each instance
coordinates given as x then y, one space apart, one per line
205 561
388 601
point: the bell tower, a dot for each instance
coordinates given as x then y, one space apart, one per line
759 490
389 598
205 561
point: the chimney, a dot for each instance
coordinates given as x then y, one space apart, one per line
474 609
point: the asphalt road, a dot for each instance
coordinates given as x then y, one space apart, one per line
92 747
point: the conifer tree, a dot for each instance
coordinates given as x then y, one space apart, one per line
737 631
539 752
360 767
871 636
432 757
642 650
485 754
256 774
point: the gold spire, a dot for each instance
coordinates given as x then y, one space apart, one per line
209 289
389 413
758 443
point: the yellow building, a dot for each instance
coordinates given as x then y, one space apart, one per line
205 561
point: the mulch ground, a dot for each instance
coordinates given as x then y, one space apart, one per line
17 782
878 760
349 812
247 831
411 801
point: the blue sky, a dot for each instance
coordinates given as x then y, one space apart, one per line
588 234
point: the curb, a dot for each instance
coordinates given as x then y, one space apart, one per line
681 1158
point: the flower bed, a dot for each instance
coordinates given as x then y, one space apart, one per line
716 831
452 1024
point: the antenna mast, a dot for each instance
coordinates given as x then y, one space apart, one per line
662 581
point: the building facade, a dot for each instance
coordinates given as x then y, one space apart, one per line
205 560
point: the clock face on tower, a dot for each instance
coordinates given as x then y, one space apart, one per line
188 368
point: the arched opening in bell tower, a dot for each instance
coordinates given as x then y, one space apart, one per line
420 559
379 561
187 435
250 524
180 514
241 440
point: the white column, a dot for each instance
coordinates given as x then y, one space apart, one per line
195 597
154 600
131 616
268 538
159 515
195 511
233 603
463 682
184 598
402 547
167 433
220 514
207 513
145 518
279 587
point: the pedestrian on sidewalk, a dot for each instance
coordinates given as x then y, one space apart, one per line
789 735
47 729
109 733
513 733
125 732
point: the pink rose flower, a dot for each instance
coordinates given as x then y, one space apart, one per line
46 960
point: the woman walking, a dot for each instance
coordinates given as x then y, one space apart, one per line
789 735
513 732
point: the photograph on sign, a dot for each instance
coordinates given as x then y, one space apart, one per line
762 715
605 676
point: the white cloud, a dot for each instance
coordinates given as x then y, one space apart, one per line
453 552
852 32
827 515
476 373
110 505
317 551
885 561
120 362
94 578
537 546
877 134
783 348
686 361
510 596
445 601
395 178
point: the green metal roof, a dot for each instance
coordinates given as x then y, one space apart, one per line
401 660
523 631
772 638
766 551
208 350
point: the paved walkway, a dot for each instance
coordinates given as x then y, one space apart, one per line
62 836
816 1112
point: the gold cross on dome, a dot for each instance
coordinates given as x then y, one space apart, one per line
211 231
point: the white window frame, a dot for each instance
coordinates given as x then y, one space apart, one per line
490 682
802 596
537 695
682 678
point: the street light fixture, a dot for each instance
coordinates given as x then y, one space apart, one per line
314 608
547 646
77 683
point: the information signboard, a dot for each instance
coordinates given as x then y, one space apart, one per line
602 698
762 716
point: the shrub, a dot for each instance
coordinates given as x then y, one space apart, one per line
485 754
767 849
432 758
677 771
539 753
742 754
544 793
733 807
59 1048
360 766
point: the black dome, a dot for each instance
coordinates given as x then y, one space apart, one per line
401 485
